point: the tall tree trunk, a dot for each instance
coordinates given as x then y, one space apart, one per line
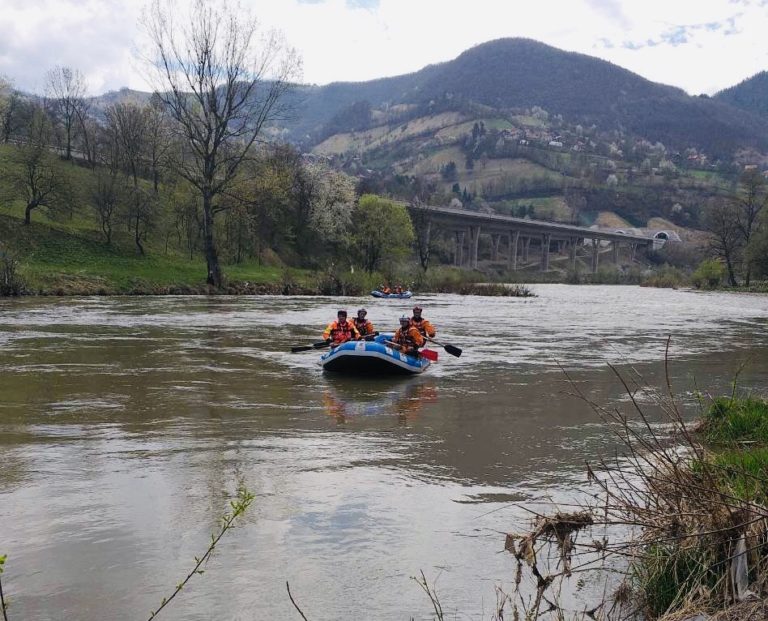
28 212
211 256
731 274
137 234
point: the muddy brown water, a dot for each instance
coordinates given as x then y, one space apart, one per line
125 424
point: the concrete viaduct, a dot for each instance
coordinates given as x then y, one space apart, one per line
467 226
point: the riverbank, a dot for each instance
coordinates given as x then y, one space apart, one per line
688 513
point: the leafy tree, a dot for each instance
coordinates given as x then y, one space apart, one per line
708 274
221 89
381 232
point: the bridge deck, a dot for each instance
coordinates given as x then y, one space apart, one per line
497 222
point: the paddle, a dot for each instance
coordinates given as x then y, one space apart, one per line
424 353
429 354
319 345
451 349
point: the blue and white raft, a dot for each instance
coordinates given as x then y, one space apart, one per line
391 296
372 358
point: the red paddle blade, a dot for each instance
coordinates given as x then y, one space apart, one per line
429 354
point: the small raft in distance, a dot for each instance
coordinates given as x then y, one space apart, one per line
393 296
372 358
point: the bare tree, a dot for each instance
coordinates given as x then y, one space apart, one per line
65 88
159 139
128 126
37 176
105 199
750 201
222 84
726 241
107 190
87 126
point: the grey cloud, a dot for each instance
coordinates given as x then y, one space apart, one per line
94 47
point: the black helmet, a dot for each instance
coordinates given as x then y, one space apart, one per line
362 311
341 313
417 309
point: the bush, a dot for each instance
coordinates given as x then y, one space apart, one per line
708 275
11 283
667 277
495 290
333 282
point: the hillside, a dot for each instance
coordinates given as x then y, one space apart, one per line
518 74
521 73
750 95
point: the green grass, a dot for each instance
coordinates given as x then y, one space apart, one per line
736 430
665 573
730 421
743 473
64 260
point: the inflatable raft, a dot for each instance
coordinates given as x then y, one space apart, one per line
372 358
393 296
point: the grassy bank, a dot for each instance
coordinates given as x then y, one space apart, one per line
681 516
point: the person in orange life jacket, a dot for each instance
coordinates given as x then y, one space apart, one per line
421 324
407 338
341 330
364 327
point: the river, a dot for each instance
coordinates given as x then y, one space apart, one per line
126 424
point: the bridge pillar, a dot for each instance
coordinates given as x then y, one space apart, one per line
546 239
474 240
496 239
514 236
572 252
595 254
615 248
458 257
526 248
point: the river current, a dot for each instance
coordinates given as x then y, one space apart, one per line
127 423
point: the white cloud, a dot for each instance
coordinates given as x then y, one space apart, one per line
700 46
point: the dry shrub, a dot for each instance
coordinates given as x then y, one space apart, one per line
691 545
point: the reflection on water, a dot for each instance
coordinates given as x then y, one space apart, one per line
125 423
402 397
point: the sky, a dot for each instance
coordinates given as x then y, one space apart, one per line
701 46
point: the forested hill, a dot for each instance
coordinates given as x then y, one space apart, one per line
521 73
750 95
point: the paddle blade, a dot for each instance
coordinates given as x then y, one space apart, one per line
299 348
429 354
453 350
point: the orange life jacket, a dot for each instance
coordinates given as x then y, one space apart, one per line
408 338
340 332
423 326
364 327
